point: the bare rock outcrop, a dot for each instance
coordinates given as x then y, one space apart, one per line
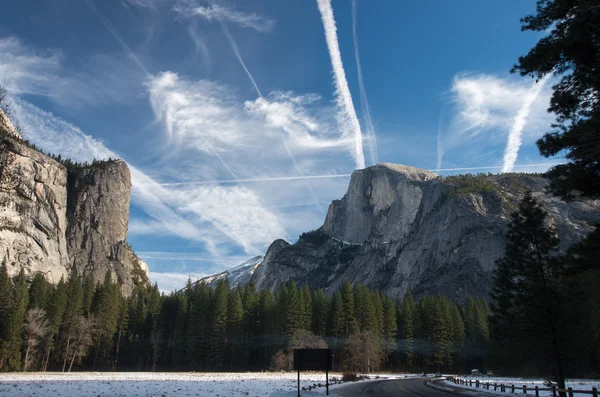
98 218
53 219
399 227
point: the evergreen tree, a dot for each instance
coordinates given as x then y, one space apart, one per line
306 304
320 312
105 308
348 320
218 326
38 292
88 294
197 334
18 310
55 309
526 287
235 318
569 51
5 311
408 327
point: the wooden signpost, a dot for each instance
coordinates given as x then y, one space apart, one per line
313 360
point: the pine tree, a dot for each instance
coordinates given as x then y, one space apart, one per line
306 307
320 312
526 286
235 318
409 315
198 329
70 320
348 325
389 326
55 309
18 311
265 327
105 308
38 292
5 311
218 326
88 294
569 50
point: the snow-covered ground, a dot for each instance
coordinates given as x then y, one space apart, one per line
576 384
136 384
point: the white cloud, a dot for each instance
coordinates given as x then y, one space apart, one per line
211 12
26 71
347 114
97 80
485 108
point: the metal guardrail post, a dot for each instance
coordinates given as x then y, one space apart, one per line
524 389
537 392
594 392
554 391
512 388
570 390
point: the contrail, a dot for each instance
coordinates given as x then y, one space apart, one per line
514 136
235 49
137 61
333 176
344 98
272 179
364 100
117 36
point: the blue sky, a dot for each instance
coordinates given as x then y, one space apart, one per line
242 120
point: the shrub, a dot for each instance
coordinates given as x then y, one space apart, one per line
349 377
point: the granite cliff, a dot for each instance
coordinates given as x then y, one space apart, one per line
53 219
400 227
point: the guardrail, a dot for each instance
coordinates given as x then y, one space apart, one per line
520 389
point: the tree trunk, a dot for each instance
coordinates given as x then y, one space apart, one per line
117 350
71 365
47 359
66 355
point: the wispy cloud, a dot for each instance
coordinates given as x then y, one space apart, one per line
26 71
514 136
486 110
348 119
364 100
99 79
221 13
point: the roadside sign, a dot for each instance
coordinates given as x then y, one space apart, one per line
313 360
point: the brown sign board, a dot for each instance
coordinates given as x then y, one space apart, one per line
313 359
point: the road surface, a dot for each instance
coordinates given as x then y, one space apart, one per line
392 387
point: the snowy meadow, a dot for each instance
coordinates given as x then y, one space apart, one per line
134 384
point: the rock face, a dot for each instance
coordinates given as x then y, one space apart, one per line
98 218
33 203
400 227
52 219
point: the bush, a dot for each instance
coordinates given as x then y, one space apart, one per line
349 377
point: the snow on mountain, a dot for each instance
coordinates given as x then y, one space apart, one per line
238 275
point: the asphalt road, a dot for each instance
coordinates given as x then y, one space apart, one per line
392 388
